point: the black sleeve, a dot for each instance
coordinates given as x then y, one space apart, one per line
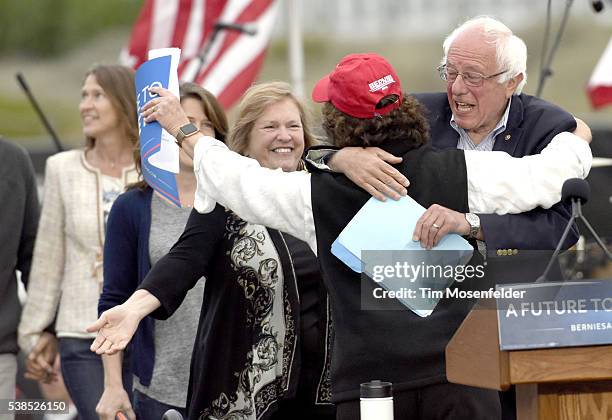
189 259
31 213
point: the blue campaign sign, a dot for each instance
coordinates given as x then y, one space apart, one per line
565 314
154 72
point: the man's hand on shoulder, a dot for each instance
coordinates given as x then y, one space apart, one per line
583 131
370 169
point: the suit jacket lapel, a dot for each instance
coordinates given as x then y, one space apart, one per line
508 139
443 136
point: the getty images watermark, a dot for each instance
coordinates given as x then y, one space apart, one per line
420 279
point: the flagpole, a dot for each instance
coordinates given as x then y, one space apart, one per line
296 47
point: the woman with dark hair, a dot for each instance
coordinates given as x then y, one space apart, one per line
262 348
80 188
142 227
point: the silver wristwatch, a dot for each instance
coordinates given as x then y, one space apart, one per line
474 222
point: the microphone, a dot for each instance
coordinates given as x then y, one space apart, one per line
575 188
245 29
597 5
172 415
575 191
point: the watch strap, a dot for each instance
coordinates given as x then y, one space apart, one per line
474 222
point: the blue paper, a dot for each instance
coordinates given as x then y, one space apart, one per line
388 226
155 72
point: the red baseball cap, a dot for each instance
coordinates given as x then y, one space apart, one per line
358 83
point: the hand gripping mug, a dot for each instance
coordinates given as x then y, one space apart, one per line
376 400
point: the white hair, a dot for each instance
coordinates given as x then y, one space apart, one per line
511 51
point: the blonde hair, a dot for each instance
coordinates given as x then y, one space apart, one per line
252 106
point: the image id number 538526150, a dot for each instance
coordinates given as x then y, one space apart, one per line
30 406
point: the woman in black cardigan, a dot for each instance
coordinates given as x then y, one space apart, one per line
262 347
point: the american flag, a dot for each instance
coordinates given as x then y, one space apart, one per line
599 88
233 58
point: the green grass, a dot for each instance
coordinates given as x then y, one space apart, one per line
19 120
16 117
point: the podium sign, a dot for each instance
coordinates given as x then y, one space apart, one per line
563 314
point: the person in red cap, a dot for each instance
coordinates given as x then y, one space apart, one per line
346 88
483 68
365 106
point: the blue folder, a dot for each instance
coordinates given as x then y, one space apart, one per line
388 226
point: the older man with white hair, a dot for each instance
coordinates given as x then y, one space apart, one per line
484 67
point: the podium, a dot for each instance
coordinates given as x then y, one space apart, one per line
555 383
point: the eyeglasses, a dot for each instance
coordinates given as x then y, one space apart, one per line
469 78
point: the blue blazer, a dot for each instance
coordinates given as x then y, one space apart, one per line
532 124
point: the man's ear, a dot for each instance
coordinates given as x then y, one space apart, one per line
513 83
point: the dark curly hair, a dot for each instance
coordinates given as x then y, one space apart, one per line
406 123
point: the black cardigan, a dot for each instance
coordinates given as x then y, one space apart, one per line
242 264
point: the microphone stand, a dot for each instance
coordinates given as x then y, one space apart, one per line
595 235
204 53
545 70
217 27
41 115
576 214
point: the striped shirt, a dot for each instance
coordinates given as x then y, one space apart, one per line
486 145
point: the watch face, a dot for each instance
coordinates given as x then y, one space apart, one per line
188 129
